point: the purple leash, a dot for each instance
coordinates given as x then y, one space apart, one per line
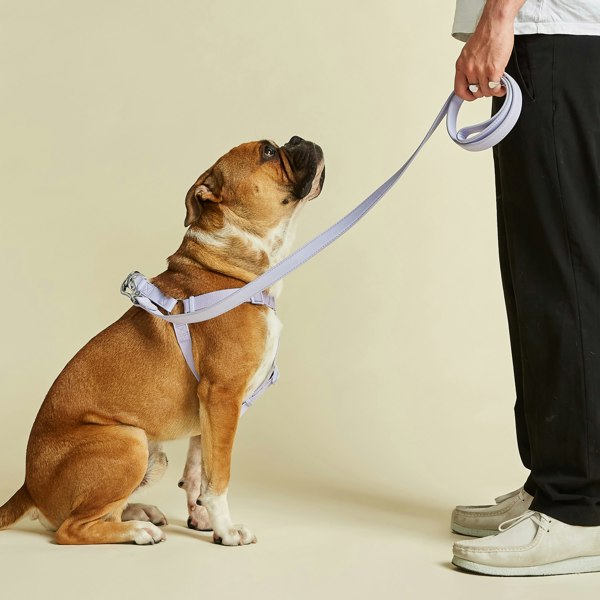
474 138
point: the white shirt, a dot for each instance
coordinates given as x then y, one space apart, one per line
575 17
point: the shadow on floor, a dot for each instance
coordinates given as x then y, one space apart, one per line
363 508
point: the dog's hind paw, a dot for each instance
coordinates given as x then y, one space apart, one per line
144 512
147 533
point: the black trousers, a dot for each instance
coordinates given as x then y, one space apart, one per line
548 202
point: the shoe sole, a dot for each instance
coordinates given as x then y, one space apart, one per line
456 528
582 564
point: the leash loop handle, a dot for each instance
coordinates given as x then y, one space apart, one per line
487 134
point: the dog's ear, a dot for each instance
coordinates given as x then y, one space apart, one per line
206 189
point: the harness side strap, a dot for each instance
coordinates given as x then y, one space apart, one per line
184 339
270 379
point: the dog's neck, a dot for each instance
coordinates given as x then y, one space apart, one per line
229 245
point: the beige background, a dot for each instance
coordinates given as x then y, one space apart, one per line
396 395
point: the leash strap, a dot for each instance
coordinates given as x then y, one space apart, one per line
474 138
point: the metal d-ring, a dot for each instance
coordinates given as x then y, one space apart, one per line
128 287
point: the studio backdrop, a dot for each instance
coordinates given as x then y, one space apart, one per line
395 359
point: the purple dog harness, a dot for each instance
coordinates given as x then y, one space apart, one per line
207 306
147 296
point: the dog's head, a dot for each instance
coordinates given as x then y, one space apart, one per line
258 183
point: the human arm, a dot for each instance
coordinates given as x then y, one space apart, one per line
485 55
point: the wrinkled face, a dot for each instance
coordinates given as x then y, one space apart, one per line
259 182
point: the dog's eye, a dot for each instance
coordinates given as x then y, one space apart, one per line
269 152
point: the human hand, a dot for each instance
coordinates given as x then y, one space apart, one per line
485 55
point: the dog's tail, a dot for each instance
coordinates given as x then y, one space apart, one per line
18 506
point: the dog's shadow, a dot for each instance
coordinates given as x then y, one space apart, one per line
418 515
29 527
409 514
179 527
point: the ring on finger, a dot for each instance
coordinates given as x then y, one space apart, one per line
493 84
473 88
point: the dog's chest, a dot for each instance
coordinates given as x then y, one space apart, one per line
274 327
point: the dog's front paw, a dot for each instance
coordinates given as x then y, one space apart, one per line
237 535
199 519
197 514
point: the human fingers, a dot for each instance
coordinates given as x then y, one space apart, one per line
462 85
491 85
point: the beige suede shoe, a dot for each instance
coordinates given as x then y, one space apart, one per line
479 521
532 544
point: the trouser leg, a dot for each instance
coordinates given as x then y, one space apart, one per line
548 178
513 328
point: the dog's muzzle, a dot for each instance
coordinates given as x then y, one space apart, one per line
306 160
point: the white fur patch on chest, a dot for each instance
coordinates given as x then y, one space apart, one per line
276 245
274 327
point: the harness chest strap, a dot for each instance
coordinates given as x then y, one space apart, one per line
147 296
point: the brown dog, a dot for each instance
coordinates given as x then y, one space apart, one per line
96 437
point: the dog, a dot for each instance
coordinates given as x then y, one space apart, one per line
96 438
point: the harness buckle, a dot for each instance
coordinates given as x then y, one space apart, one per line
128 287
258 299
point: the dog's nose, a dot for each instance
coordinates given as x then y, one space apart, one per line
294 140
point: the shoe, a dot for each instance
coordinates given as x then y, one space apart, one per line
532 544
479 521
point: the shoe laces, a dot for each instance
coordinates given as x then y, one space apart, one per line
536 517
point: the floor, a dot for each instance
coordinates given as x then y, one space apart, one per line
319 543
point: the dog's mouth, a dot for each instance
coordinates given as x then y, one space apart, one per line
308 165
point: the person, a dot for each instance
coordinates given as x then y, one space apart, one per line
547 176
